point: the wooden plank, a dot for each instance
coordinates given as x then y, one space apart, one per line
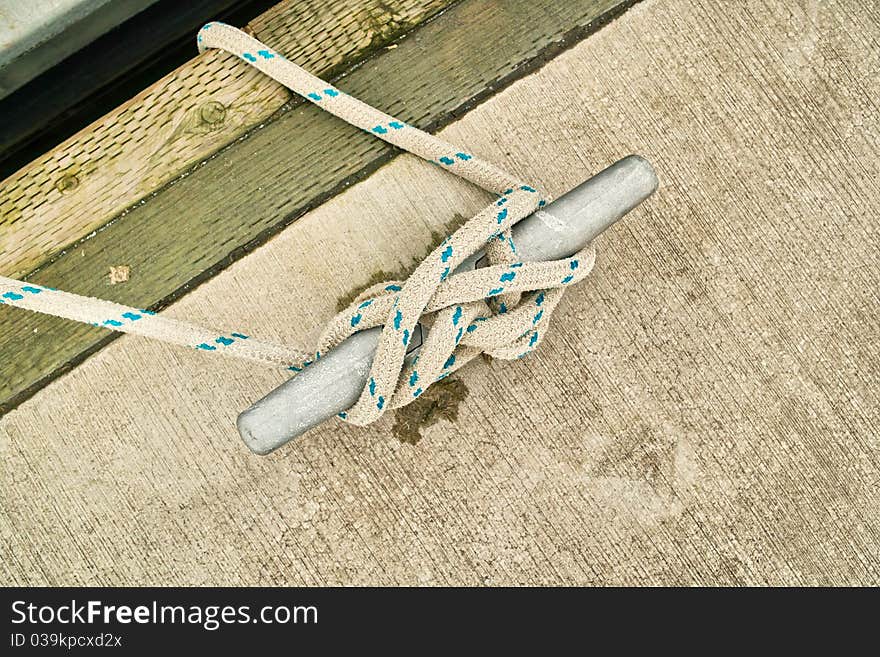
703 411
204 221
105 73
182 119
347 30
80 186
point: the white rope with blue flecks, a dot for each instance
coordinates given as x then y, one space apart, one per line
502 309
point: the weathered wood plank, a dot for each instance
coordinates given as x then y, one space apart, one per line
182 119
347 30
705 409
202 222
78 187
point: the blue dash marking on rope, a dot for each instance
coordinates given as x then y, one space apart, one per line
501 201
447 160
240 336
458 336
495 291
356 319
508 276
112 322
463 156
574 264
224 341
413 378
444 274
147 312
447 254
331 92
449 362
405 337
32 290
502 215
417 392
568 279
314 96
248 56
509 190
539 299
372 386
12 296
206 347
542 203
366 303
526 188
380 402
398 317
538 316
379 130
516 265
265 54
471 328
533 339
502 308
343 415
393 288
132 316
397 125
456 316
294 368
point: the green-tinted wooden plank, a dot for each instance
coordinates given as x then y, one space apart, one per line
200 224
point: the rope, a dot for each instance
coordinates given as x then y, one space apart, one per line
502 310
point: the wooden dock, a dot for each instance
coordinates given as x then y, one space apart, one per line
704 411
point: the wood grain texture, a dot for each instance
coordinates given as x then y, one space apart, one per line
204 220
99 172
347 30
704 409
182 119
